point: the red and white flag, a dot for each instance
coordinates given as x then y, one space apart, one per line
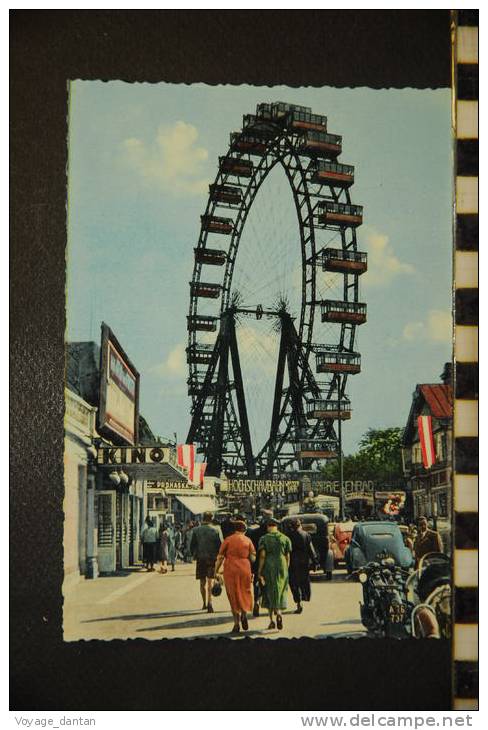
198 473
424 424
186 458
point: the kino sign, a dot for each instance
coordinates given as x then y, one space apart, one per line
122 455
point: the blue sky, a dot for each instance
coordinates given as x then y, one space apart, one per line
140 160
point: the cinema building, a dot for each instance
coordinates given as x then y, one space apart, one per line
105 504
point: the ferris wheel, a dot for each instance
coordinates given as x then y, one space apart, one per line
315 336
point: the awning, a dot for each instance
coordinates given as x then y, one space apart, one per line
197 505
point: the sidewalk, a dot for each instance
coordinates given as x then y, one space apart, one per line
138 604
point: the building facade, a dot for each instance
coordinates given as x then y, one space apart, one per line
431 489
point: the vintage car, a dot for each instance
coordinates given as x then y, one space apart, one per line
339 538
317 527
372 541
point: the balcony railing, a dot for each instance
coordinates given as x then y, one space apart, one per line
344 261
337 311
330 361
333 409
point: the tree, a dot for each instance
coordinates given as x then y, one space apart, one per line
383 450
379 458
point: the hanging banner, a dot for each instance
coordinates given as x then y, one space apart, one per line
424 424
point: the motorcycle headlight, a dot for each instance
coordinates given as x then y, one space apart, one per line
363 577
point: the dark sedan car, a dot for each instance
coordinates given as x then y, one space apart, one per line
371 541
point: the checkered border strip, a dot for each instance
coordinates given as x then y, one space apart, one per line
465 487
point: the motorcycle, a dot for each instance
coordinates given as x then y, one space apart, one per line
429 589
386 610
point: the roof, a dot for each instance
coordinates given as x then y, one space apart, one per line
439 399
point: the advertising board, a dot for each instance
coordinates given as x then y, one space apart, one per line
119 390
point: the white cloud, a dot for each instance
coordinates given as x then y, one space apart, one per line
436 328
383 264
174 367
173 161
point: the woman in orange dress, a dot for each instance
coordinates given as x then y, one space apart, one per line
238 553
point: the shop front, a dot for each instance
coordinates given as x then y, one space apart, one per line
189 507
78 487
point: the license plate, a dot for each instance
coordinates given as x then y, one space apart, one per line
397 613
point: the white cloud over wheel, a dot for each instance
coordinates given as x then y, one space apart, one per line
383 263
437 327
172 160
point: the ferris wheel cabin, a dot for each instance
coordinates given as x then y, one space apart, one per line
205 290
321 144
236 166
344 262
214 224
293 115
211 256
199 354
343 312
200 322
331 360
329 409
341 214
247 143
316 449
333 173
225 194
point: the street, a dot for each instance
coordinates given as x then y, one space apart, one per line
137 604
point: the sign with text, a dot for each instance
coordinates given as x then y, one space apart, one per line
174 487
128 456
259 486
119 390
351 488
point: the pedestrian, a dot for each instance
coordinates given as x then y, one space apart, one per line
237 553
187 542
179 542
163 547
149 543
427 541
302 556
255 534
227 527
274 558
171 546
206 540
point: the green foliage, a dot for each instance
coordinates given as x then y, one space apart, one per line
378 458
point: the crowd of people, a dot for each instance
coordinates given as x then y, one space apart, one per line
166 545
256 565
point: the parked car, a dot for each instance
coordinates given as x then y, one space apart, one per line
317 527
372 541
340 537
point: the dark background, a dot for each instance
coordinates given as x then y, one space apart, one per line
298 48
